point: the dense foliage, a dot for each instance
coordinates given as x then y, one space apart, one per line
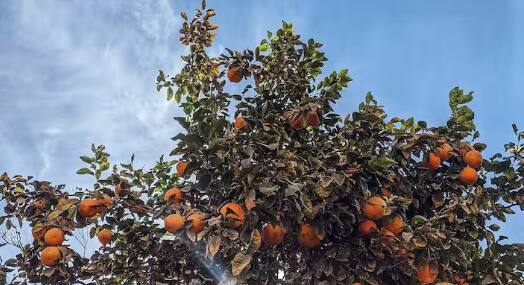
271 186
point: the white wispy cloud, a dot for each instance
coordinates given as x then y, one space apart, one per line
81 72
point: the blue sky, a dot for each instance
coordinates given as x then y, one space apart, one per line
77 72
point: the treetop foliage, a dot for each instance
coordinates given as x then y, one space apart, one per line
272 186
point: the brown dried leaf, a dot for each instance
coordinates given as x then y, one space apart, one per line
214 221
191 235
54 215
339 179
306 203
230 234
419 242
213 246
250 199
322 192
255 242
269 190
489 280
325 181
65 203
407 236
239 262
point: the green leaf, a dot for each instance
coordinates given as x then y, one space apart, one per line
215 125
193 141
178 95
515 129
377 162
84 170
87 159
494 227
264 47
104 166
92 232
370 99
419 220
11 262
408 123
161 77
182 121
169 94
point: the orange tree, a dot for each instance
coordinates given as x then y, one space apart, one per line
271 186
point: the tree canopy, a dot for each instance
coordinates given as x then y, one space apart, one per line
272 186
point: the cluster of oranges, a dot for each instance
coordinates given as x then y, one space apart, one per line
471 157
51 254
374 210
234 215
54 237
175 222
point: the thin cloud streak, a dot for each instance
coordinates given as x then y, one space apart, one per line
88 72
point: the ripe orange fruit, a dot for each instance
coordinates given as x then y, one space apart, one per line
234 75
374 208
181 168
394 224
174 195
468 175
197 222
88 208
273 235
173 223
432 162
367 227
104 236
54 237
312 118
233 211
240 123
427 274
307 236
50 255
297 123
473 158
444 151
